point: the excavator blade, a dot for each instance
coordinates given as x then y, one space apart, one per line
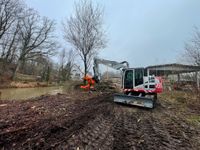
134 100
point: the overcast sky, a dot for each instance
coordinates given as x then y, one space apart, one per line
142 32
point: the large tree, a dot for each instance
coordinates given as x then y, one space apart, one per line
25 37
9 44
84 31
9 13
36 38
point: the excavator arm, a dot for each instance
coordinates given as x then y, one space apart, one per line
113 64
95 79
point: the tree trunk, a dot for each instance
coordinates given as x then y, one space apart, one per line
22 68
85 69
16 69
4 64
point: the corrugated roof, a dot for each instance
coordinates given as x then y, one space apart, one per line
173 68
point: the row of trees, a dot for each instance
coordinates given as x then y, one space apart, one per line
25 36
27 39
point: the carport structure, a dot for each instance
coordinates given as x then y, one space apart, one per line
174 69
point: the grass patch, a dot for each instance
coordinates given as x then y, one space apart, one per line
194 119
183 102
179 97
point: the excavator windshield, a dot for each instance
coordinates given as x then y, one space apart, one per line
128 79
133 77
139 74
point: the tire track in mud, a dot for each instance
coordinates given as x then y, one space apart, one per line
151 135
101 124
118 127
86 136
124 129
51 132
94 136
143 129
179 132
74 126
163 133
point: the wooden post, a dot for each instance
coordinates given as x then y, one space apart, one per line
197 79
178 76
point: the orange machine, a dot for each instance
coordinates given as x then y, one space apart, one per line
90 83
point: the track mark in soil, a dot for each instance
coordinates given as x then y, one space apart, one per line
95 123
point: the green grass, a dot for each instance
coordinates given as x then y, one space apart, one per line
194 119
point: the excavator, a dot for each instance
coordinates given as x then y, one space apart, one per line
139 88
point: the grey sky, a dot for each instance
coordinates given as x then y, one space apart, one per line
143 32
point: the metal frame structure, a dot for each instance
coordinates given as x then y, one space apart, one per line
174 69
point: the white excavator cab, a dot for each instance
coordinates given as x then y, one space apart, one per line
139 89
136 80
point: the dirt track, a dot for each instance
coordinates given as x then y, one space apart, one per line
62 122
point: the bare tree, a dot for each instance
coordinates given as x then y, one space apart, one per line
9 45
9 11
192 48
84 31
36 38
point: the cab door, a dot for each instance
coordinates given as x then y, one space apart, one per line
139 74
128 79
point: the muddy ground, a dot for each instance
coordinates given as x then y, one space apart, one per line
92 121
